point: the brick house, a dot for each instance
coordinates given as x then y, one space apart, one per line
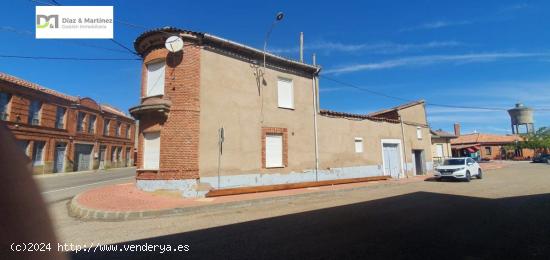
488 146
213 116
62 133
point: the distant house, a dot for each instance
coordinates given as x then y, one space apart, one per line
488 146
62 133
441 145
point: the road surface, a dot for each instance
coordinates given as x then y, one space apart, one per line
56 188
503 216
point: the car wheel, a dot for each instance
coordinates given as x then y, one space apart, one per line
479 174
468 176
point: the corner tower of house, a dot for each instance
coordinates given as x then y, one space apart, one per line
169 110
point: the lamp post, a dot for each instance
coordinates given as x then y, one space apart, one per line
278 18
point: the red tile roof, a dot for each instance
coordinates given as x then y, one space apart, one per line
27 84
400 107
441 133
485 138
356 116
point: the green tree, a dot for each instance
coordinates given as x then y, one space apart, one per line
540 139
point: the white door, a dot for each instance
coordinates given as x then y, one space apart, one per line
273 151
151 151
392 160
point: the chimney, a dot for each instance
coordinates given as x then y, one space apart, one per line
457 129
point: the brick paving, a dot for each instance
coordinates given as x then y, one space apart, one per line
126 198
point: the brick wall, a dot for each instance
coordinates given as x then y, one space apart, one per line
275 130
46 131
179 132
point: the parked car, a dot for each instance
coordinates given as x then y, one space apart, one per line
541 158
463 168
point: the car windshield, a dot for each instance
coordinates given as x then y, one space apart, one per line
453 162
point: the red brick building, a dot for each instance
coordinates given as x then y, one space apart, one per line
62 133
488 146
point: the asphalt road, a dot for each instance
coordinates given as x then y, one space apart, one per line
504 216
64 186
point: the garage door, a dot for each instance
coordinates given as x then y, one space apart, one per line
392 160
83 157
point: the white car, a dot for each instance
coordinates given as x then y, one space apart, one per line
463 168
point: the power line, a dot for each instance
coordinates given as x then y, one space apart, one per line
66 58
409 100
65 42
364 89
55 3
124 47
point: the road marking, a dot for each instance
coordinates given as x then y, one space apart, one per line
84 185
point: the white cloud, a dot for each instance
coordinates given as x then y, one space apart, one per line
513 7
434 59
495 15
435 25
384 47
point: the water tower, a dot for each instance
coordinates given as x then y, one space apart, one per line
521 116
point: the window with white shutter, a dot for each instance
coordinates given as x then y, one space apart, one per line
155 78
151 151
418 132
439 150
285 93
358 145
274 150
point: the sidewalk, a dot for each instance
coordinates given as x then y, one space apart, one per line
125 202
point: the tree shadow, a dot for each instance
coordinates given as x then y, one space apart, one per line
418 225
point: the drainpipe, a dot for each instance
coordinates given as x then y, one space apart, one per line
404 150
315 130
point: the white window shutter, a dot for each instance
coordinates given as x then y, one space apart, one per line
358 145
439 150
155 78
418 132
274 151
151 151
285 93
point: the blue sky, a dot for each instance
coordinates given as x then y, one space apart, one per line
463 53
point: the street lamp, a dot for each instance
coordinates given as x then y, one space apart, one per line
278 17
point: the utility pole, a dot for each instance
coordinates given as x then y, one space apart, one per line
302 47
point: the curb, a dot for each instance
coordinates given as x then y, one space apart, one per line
79 211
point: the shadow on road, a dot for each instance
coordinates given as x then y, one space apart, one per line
418 225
